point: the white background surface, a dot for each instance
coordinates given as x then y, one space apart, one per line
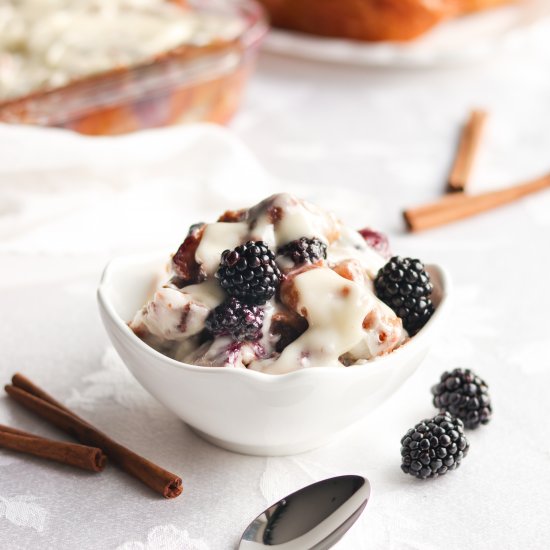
366 142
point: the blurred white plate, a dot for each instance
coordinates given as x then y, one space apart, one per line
462 40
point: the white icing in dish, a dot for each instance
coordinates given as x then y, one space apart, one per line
352 245
324 314
48 43
334 308
217 238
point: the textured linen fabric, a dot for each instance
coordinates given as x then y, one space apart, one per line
365 143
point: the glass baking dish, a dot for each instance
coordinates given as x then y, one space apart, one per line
185 84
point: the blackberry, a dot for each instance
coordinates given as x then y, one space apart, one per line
376 240
304 250
249 273
405 286
240 321
465 396
433 447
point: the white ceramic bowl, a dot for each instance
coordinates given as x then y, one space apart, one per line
247 411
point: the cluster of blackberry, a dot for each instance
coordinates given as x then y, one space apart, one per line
304 251
437 445
433 447
250 276
405 286
249 273
465 395
241 321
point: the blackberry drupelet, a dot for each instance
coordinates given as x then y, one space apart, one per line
465 395
304 250
434 447
405 286
249 273
240 321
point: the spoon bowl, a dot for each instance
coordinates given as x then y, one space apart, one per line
313 518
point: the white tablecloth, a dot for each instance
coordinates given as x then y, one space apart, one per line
365 142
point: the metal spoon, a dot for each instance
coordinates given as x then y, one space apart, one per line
313 518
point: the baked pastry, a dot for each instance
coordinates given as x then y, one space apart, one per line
368 20
466 6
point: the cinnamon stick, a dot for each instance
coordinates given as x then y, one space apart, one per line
23 383
81 456
467 150
459 206
45 406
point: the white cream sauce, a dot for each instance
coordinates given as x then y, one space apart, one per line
177 314
352 245
222 352
384 333
48 43
298 219
346 320
216 238
334 308
209 293
172 315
